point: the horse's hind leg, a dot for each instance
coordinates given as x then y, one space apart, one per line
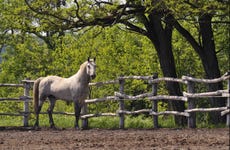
36 124
41 101
50 110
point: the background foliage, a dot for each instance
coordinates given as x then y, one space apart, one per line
32 47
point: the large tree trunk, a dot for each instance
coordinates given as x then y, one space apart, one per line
210 63
207 54
161 37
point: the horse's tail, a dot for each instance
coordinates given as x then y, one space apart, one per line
36 93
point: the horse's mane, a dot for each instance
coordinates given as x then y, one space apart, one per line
85 63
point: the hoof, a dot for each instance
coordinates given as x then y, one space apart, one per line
36 128
77 128
53 127
84 128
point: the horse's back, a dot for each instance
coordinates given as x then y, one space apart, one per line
69 89
51 81
55 86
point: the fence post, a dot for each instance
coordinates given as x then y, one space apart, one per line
26 103
121 104
191 105
155 102
85 120
228 104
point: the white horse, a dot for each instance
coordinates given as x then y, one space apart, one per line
74 88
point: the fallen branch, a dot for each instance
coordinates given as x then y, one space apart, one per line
100 99
163 97
170 113
135 77
134 112
10 85
206 109
224 77
168 79
225 112
97 115
104 83
206 94
124 96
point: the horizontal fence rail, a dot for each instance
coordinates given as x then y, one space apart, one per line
10 85
119 96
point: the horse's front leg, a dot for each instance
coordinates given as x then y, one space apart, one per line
77 108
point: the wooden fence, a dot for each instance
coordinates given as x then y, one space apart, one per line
152 96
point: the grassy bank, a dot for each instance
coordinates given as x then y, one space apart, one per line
63 121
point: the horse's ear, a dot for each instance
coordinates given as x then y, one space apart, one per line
88 59
94 59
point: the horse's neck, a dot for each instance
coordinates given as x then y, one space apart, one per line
81 77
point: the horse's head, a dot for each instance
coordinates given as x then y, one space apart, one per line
91 68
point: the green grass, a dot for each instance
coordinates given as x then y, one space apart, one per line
63 121
220 125
104 122
166 122
113 122
138 122
7 121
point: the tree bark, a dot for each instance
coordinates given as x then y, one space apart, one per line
210 63
207 54
161 37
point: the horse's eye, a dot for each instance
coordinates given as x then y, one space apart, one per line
88 66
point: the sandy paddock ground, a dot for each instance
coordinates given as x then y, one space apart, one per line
103 139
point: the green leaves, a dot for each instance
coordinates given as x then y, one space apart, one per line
42 38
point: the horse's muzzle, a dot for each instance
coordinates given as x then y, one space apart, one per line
93 76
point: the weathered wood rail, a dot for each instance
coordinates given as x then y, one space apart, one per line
152 96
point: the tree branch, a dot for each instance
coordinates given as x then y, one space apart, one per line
122 12
103 2
45 13
77 11
133 27
187 36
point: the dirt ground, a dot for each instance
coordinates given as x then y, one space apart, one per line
102 139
